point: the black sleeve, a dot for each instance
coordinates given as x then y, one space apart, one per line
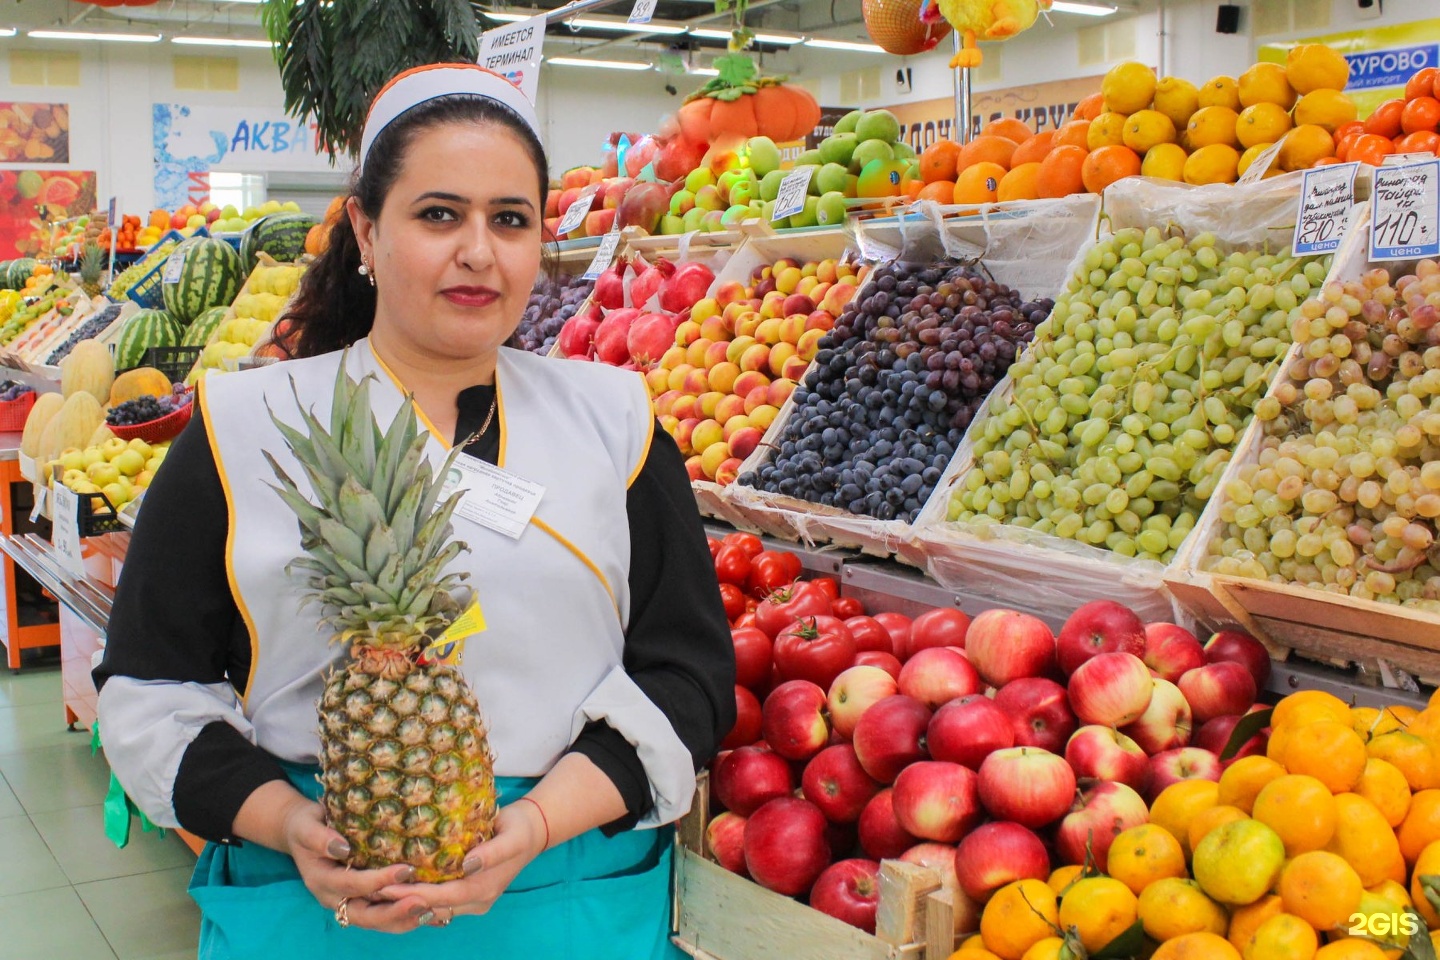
677 647
174 618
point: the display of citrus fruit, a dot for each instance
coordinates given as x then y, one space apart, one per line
1211 125
1303 147
1239 862
1350 950
1061 877
1261 123
1178 804
1098 909
1210 819
1219 92
1265 83
1051 948
1300 809
1244 921
1106 165
1216 163
1330 751
1307 706
1329 109
1018 916
1165 162
1177 99
1243 780
1173 907
1246 159
1106 130
1148 128
1282 937
1142 855
1128 87
1366 840
1426 865
1320 888
1196 946
1421 826
1315 66
1021 183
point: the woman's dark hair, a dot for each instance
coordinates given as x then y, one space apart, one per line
335 305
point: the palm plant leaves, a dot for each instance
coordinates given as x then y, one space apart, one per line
335 56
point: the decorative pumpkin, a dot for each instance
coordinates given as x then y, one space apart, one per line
739 104
895 25
982 20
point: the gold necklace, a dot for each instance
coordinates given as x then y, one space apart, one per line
494 404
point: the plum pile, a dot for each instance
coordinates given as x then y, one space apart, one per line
92 327
894 386
552 302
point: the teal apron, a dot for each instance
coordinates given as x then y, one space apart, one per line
594 897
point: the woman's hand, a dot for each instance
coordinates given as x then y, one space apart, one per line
319 853
489 869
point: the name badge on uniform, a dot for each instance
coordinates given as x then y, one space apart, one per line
493 498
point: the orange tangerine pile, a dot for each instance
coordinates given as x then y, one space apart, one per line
1166 128
1338 820
1408 124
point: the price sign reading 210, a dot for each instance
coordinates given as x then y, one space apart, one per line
1405 212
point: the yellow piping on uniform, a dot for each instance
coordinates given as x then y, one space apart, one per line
439 437
582 557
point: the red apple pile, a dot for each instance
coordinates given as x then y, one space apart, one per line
991 750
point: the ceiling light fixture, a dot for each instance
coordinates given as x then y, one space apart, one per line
601 64
510 17
221 42
703 72
781 39
621 26
81 35
8 31
1084 9
842 45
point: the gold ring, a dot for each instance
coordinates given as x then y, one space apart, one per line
342 912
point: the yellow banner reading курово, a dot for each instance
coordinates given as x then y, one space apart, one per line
1381 58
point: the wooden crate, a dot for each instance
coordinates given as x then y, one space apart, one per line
720 915
1293 619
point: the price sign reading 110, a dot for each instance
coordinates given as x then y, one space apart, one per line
1405 212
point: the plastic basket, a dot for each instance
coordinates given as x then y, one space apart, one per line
14 412
97 515
167 427
174 362
148 290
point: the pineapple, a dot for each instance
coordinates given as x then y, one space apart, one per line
90 258
406 767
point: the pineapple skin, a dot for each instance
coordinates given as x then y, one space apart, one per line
406 766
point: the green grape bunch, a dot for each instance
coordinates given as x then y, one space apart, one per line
125 281
1127 406
1345 491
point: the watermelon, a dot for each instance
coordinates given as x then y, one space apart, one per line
146 329
281 236
199 331
14 273
210 276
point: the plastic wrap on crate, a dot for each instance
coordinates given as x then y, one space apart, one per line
1033 246
1059 574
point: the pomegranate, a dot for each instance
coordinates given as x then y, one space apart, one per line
610 286
577 336
650 336
643 287
686 287
677 158
612 334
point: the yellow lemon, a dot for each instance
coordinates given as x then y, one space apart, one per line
1315 66
1261 123
1173 907
1216 163
1165 161
1304 146
1325 108
1265 83
1239 862
1177 99
1219 92
1128 87
1211 125
1146 129
1106 130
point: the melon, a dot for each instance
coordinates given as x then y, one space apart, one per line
203 327
72 426
209 276
140 382
46 406
281 235
88 368
146 329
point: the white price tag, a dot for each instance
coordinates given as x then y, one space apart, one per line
642 11
793 190
65 532
173 267
1261 164
493 498
1405 212
42 502
1401 159
1327 195
576 211
112 212
604 255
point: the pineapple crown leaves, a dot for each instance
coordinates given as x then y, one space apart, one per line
377 539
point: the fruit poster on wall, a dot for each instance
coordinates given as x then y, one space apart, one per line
34 132
30 199
190 141
1044 106
1381 58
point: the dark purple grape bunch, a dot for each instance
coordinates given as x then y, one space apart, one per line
145 409
93 326
552 302
894 386
14 390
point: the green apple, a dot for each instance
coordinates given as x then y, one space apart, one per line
228 212
112 448
671 225
73 459
742 193
141 447
769 211
830 209
848 122
129 463
764 155
708 198
839 148
808 217
735 216
870 150
809 158
681 202
829 178
102 473
699 177
878 125
770 186
692 218
903 151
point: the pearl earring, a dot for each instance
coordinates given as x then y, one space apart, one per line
367 273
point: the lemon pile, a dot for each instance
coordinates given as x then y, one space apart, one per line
1213 133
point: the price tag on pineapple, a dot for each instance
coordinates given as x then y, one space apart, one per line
174 266
494 498
576 211
642 11
1326 198
1261 164
604 256
65 532
793 190
1405 212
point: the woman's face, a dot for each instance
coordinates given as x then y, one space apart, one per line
457 245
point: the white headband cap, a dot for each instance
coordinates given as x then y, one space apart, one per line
423 84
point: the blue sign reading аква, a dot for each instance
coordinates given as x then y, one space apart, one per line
1390 68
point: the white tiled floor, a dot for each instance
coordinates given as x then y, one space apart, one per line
66 891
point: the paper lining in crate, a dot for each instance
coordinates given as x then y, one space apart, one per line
1027 248
1061 573
1331 627
35 344
721 915
107 336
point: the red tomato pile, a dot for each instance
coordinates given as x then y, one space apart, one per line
1409 124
